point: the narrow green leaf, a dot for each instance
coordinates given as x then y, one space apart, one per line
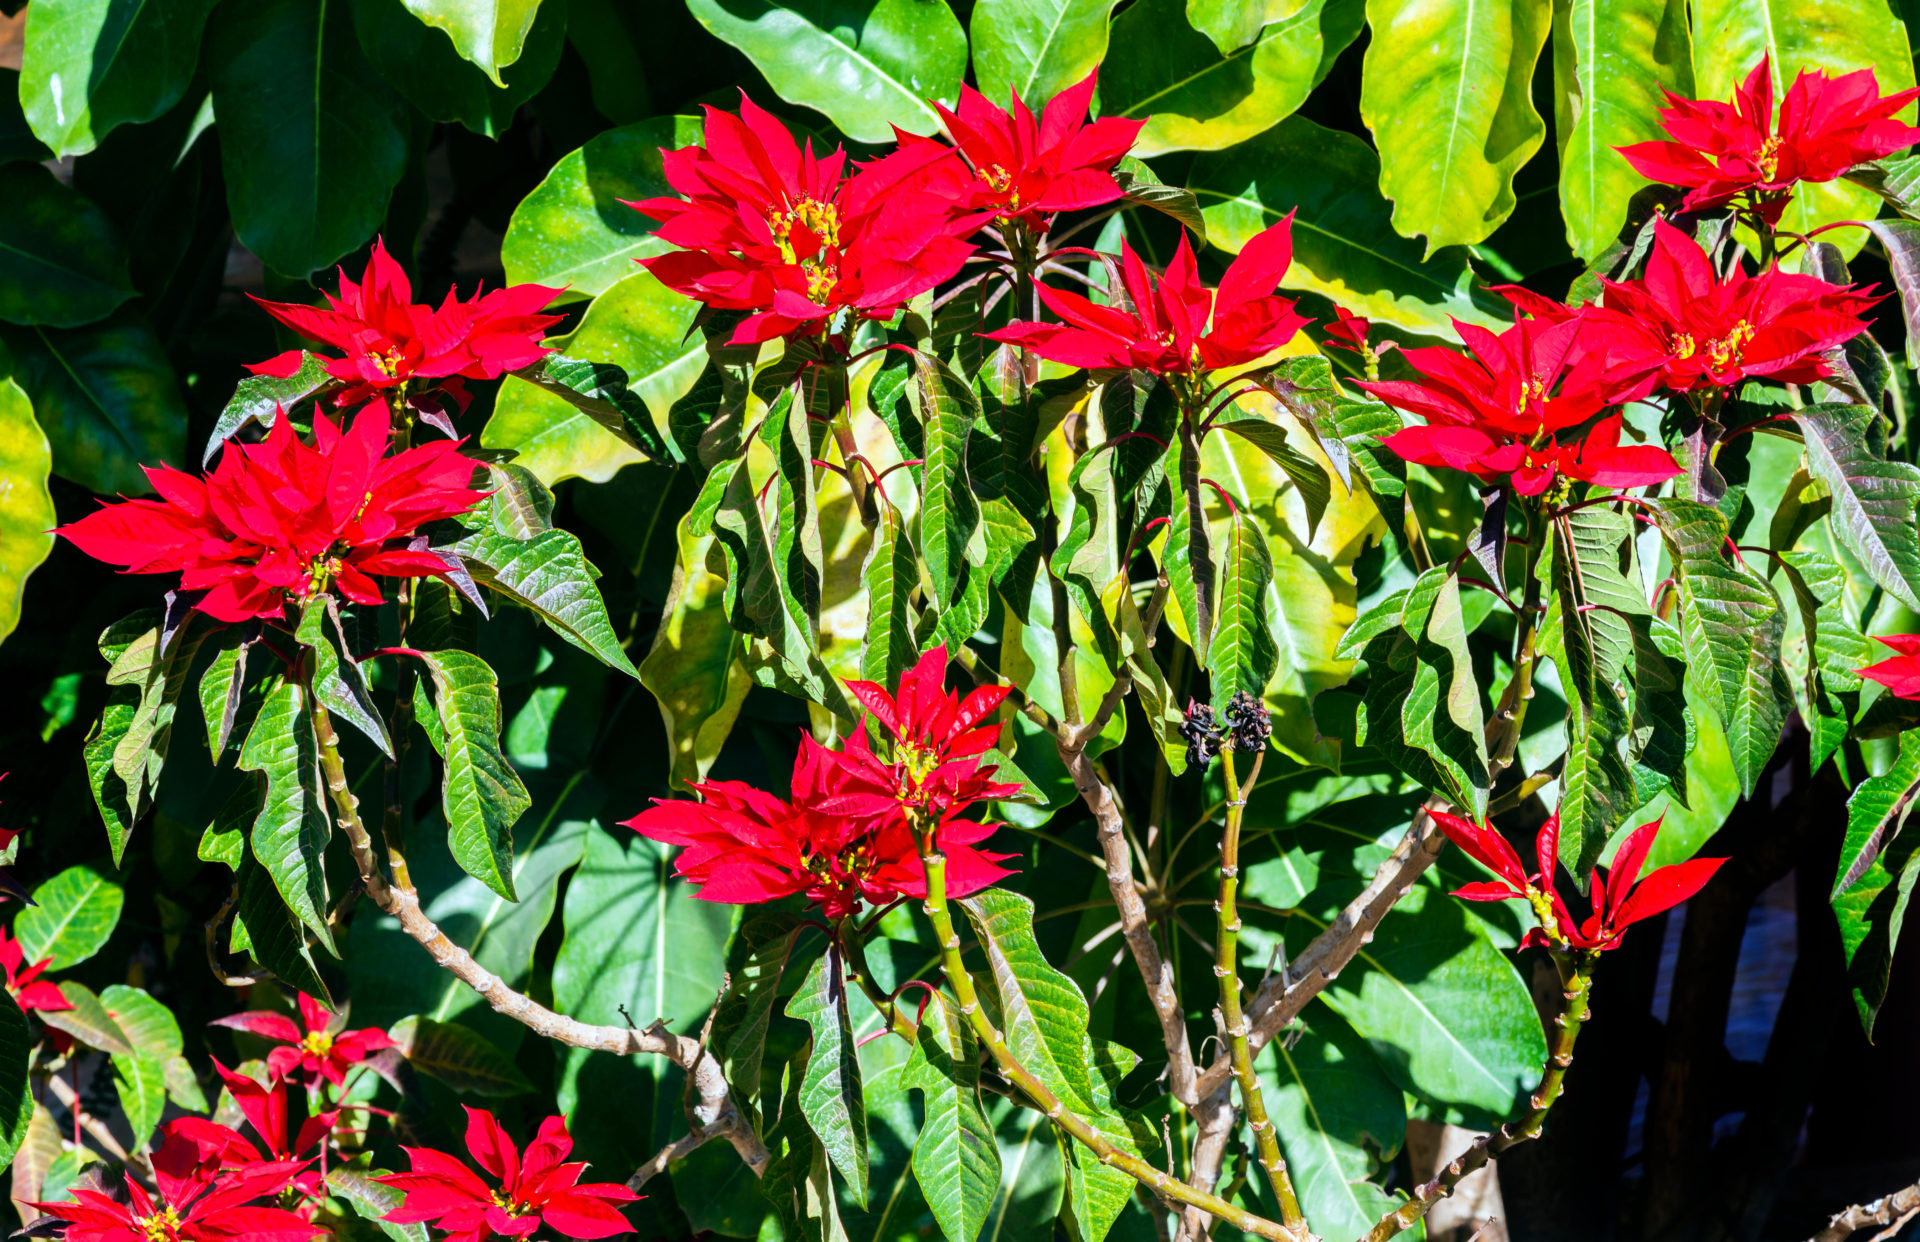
1873 495
140 1083
337 682
1188 561
72 917
1243 655
890 575
1877 871
550 575
1307 475
600 391
260 398
481 794
458 1057
831 1094
755 963
955 1159
221 686
1833 646
115 800
158 676
1044 1010
273 934
291 832
27 517
693 669
1412 666
948 511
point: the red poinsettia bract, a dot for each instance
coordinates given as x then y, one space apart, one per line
1621 896
539 1189
1682 328
29 990
1900 674
199 1200
1178 325
769 227
1500 410
281 520
324 1049
266 1109
389 340
1722 151
1019 167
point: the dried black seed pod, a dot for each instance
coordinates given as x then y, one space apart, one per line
1202 733
1249 722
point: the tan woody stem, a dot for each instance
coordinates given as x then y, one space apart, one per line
1226 967
1161 1183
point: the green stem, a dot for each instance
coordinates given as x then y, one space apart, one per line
346 807
1576 978
848 934
1226 966
393 827
1511 713
1160 1182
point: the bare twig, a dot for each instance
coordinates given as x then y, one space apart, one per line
679 1149
1215 1116
214 963
97 1129
1894 1209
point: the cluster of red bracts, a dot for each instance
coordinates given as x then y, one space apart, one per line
851 830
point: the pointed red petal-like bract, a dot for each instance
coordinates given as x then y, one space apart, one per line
1900 674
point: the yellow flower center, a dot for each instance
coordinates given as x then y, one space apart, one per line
1725 352
509 1206
319 1043
321 573
821 279
1531 390
162 1226
1769 157
389 361
1684 346
820 219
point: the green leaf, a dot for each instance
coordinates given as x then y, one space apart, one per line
1232 25
867 64
1610 59
598 390
154 1033
260 398
948 512
140 1083
481 794
1044 1011
1344 245
372 1201
1036 48
955 1159
1873 495
92 65
458 1057
756 960
16 1087
575 229
1833 646
337 682
106 397
272 932
1188 561
1242 655
87 1021
221 688
490 33
291 831
1733 620
61 262
27 518
157 679
1335 1112
1193 97
1306 474
118 804
73 915
1141 188
1877 871
310 136
830 1095
891 574
693 670
550 575
420 63
638 325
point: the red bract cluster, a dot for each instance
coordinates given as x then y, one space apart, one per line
539 1189
1019 167
389 340
1900 674
265 1108
1517 406
1683 328
324 1049
848 833
1178 325
281 520
1620 896
199 1199
28 989
769 227
1723 151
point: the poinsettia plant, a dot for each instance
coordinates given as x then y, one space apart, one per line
1174 700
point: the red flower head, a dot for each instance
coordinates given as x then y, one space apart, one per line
1900 674
1488 848
1621 897
1178 325
1683 328
1722 151
928 720
1348 332
198 1200
1023 168
390 341
1496 412
539 1190
767 226
280 520
323 1050
29 990
265 1108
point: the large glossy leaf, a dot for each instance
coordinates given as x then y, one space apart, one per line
27 518
1242 655
1193 97
87 1020
575 230
290 833
1873 495
693 669
61 262
1878 865
867 64
73 915
1336 1112
310 136
107 398
481 794
1232 24
459 1057
1036 48
91 65
1044 1011
16 1088
640 326
548 574
830 1093
1446 90
1344 245
490 33
419 62
155 1034
955 1159
1610 59
1835 36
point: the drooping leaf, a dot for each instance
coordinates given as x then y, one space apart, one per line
92 65
480 792
1142 188
490 33
948 511
458 1057
550 575
260 398
867 64
830 1094
117 802
955 1159
756 961
1036 48
1834 649
273 934
1873 495
1306 474
1044 1010
310 136
1876 876
693 669
72 916
291 831
889 576
422 64
61 262
1242 655
27 518
600 391
337 682
16 1086
155 667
